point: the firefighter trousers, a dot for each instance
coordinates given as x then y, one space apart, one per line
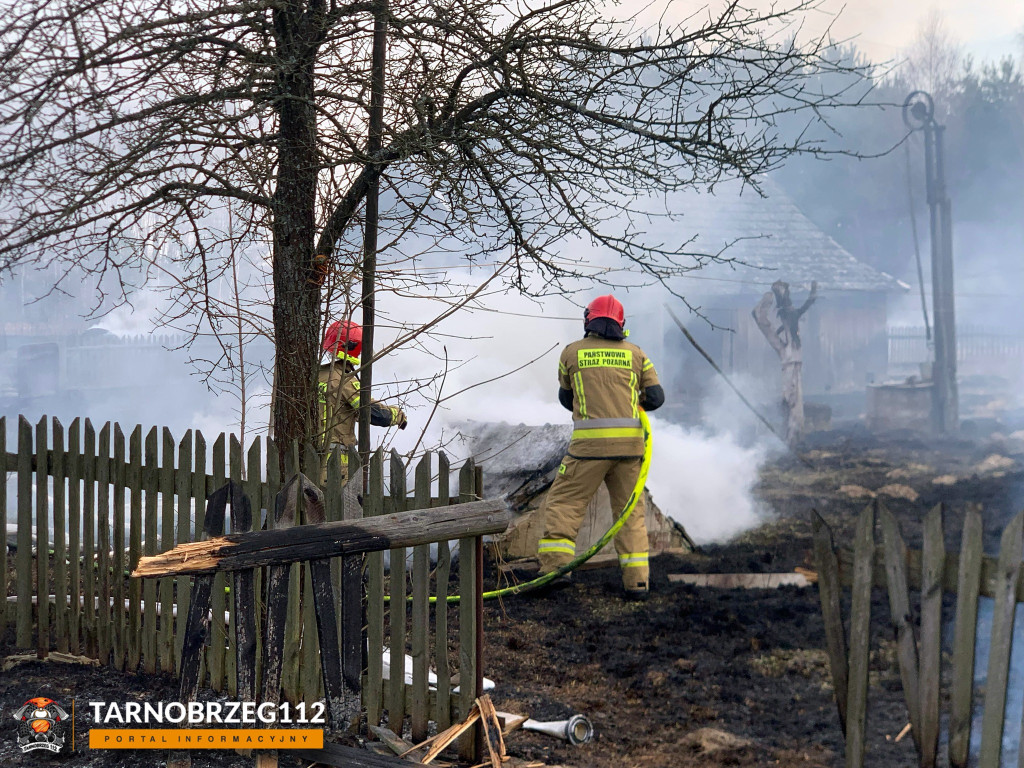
575 485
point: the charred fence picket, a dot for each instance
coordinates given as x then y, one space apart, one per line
931 571
89 504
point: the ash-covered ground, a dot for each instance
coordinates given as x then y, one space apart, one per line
693 676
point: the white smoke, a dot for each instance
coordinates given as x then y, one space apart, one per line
705 481
702 478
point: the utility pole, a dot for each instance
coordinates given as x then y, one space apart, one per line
919 115
373 146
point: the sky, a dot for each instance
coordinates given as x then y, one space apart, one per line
988 29
884 29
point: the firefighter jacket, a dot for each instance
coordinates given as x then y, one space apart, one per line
608 379
339 404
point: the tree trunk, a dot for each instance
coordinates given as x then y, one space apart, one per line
296 292
785 340
793 399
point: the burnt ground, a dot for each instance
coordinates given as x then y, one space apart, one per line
693 676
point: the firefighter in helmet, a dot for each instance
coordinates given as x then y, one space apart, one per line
605 381
339 390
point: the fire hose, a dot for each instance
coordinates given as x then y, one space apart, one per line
597 546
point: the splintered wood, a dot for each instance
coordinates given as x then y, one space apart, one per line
483 710
492 731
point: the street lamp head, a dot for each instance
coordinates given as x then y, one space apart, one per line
918 110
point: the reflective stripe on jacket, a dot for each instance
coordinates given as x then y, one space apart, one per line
338 389
339 402
607 379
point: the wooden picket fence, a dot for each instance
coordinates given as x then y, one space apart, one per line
932 571
94 502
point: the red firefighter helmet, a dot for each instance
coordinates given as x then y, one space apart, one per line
605 306
344 339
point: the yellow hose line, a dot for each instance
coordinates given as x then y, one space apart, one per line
598 545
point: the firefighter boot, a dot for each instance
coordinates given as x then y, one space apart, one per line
635 583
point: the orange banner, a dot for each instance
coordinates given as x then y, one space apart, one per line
206 738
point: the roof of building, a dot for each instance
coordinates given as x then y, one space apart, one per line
764 237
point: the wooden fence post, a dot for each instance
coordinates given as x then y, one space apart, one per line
217 657
117 564
310 679
397 607
933 561
443 710
860 638
899 606
196 626
23 557
166 636
103 544
373 505
60 552
830 593
350 589
183 491
244 605
420 715
1011 550
151 479
42 542
73 464
964 639
469 746
89 582
199 491
253 488
290 663
135 482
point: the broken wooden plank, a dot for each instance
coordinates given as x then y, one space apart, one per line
239 551
54 656
451 735
492 731
741 580
393 741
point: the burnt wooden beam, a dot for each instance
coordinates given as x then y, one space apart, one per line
239 551
342 703
245 601
197 624
277 601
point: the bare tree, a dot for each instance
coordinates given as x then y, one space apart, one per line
127 128
934 58
785 340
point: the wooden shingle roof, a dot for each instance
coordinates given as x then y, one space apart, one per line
765 239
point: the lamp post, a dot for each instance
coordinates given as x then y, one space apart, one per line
919 115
